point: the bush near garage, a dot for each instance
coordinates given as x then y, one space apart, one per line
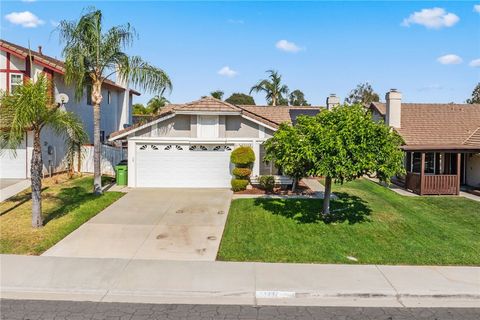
242 173
239 184
267 183
242 157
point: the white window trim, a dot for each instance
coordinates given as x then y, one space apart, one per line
16 84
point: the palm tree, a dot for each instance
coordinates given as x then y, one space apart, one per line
92 56
30 108
273 88
156 103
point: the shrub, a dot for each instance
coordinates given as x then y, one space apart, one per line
239 184
267 183
242 156
242 173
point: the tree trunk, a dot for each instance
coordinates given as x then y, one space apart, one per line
294 184
36 180
326 196
97 146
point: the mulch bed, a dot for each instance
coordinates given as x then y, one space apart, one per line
302 189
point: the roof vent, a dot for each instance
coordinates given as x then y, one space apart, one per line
40 50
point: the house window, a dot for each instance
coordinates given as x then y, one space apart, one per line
430 162
102 136
16 80
109 97
416 162
89 94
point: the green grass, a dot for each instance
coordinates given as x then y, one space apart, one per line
374 225
67 204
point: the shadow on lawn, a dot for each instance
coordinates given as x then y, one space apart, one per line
346 208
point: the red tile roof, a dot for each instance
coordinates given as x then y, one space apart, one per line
54 64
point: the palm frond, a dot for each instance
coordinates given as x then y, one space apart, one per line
143 75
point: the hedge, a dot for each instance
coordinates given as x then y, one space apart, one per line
242 156
242 173
239 184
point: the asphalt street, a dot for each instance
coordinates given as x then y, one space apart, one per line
68 310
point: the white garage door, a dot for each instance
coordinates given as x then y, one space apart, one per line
183 166
13 165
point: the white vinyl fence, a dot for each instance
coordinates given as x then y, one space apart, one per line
111 156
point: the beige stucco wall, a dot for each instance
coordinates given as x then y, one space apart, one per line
186 126
473 170
238 127
176 127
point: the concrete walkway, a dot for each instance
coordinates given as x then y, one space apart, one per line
153 281
164 224
10 187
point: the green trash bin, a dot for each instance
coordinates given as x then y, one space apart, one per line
121 176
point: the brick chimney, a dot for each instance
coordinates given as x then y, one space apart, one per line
332 101
40 50
393 114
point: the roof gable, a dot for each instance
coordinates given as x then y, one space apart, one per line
207 104
51 63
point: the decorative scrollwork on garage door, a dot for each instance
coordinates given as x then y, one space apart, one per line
222 148
168 147
154 147
143 147
178 147
197 148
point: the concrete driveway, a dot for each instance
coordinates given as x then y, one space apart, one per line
10 187
160 224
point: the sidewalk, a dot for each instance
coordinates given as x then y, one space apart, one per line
153 281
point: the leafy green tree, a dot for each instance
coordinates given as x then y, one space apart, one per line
92 56
273 88
240 99
217 94
139 108
297 98
362 94
287 151
156 103
345 144
475 95
30 108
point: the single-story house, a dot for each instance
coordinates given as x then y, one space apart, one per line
189 145
442 143
17 64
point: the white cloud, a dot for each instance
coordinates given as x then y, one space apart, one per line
475 63
235 21
476 8
227 72
26 19
450 59
434 18
287 46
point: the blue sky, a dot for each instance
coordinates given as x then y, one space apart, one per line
327 47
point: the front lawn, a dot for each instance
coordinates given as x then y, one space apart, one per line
67 204
370 223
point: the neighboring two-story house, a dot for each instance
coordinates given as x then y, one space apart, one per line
442 142
17 64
